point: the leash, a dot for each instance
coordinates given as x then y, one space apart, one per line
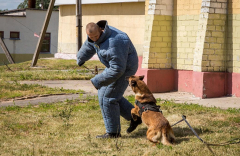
96 69
233 141
179 121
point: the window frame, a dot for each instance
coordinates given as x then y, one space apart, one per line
15 38
49 43
2 34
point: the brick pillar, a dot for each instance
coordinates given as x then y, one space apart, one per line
210 50
156 63
209 62
158 34
197 66
233 41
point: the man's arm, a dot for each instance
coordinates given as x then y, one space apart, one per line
117 56
85 53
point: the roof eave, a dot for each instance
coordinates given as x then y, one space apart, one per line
73 2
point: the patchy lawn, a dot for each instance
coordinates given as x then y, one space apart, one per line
70 127
47 69
12 90
51 64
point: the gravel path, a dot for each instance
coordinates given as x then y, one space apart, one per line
178 97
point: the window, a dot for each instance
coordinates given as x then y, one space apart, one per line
46 43
14 35
2 34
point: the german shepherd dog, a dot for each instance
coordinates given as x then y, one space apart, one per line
146 108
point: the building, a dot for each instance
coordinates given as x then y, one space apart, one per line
127 15
19 30
191 46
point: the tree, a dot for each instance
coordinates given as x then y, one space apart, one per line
3 10
23 4
40 4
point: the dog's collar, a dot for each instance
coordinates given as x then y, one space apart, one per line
147 106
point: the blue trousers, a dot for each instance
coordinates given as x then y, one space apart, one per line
113 104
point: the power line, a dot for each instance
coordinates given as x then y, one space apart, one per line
32 31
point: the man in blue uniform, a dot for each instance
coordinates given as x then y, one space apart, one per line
116 51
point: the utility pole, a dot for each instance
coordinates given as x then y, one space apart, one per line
43 32
5 49
79 23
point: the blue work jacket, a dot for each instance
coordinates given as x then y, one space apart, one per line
114 49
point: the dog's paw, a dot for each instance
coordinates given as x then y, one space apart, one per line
134 116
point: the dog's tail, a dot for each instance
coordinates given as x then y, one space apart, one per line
168 137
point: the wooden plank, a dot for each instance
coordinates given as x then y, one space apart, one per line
43 32
5 49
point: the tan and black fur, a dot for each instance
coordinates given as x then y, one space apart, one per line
158 126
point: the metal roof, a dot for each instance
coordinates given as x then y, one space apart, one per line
70 2
22 10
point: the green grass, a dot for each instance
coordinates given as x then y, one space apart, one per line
47 69
51 64
46 75
11 90
70 127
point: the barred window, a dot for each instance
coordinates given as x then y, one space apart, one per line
2 34
46 43
14 35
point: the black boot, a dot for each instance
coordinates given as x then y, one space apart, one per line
134 124
108 135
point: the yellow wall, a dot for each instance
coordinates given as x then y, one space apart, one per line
67 29
187 7
158 34
185 27
234 7
128 17
185 38
214 52
158 41
233 41
114 9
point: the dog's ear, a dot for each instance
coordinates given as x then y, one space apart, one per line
141 77
127 78
133 83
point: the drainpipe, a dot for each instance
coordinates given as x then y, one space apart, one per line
79 23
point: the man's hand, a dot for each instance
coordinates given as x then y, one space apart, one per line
94 85
81 64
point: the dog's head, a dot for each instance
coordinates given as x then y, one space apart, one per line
143 94
134 82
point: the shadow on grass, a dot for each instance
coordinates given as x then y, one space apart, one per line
180 133
138 133
183 132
